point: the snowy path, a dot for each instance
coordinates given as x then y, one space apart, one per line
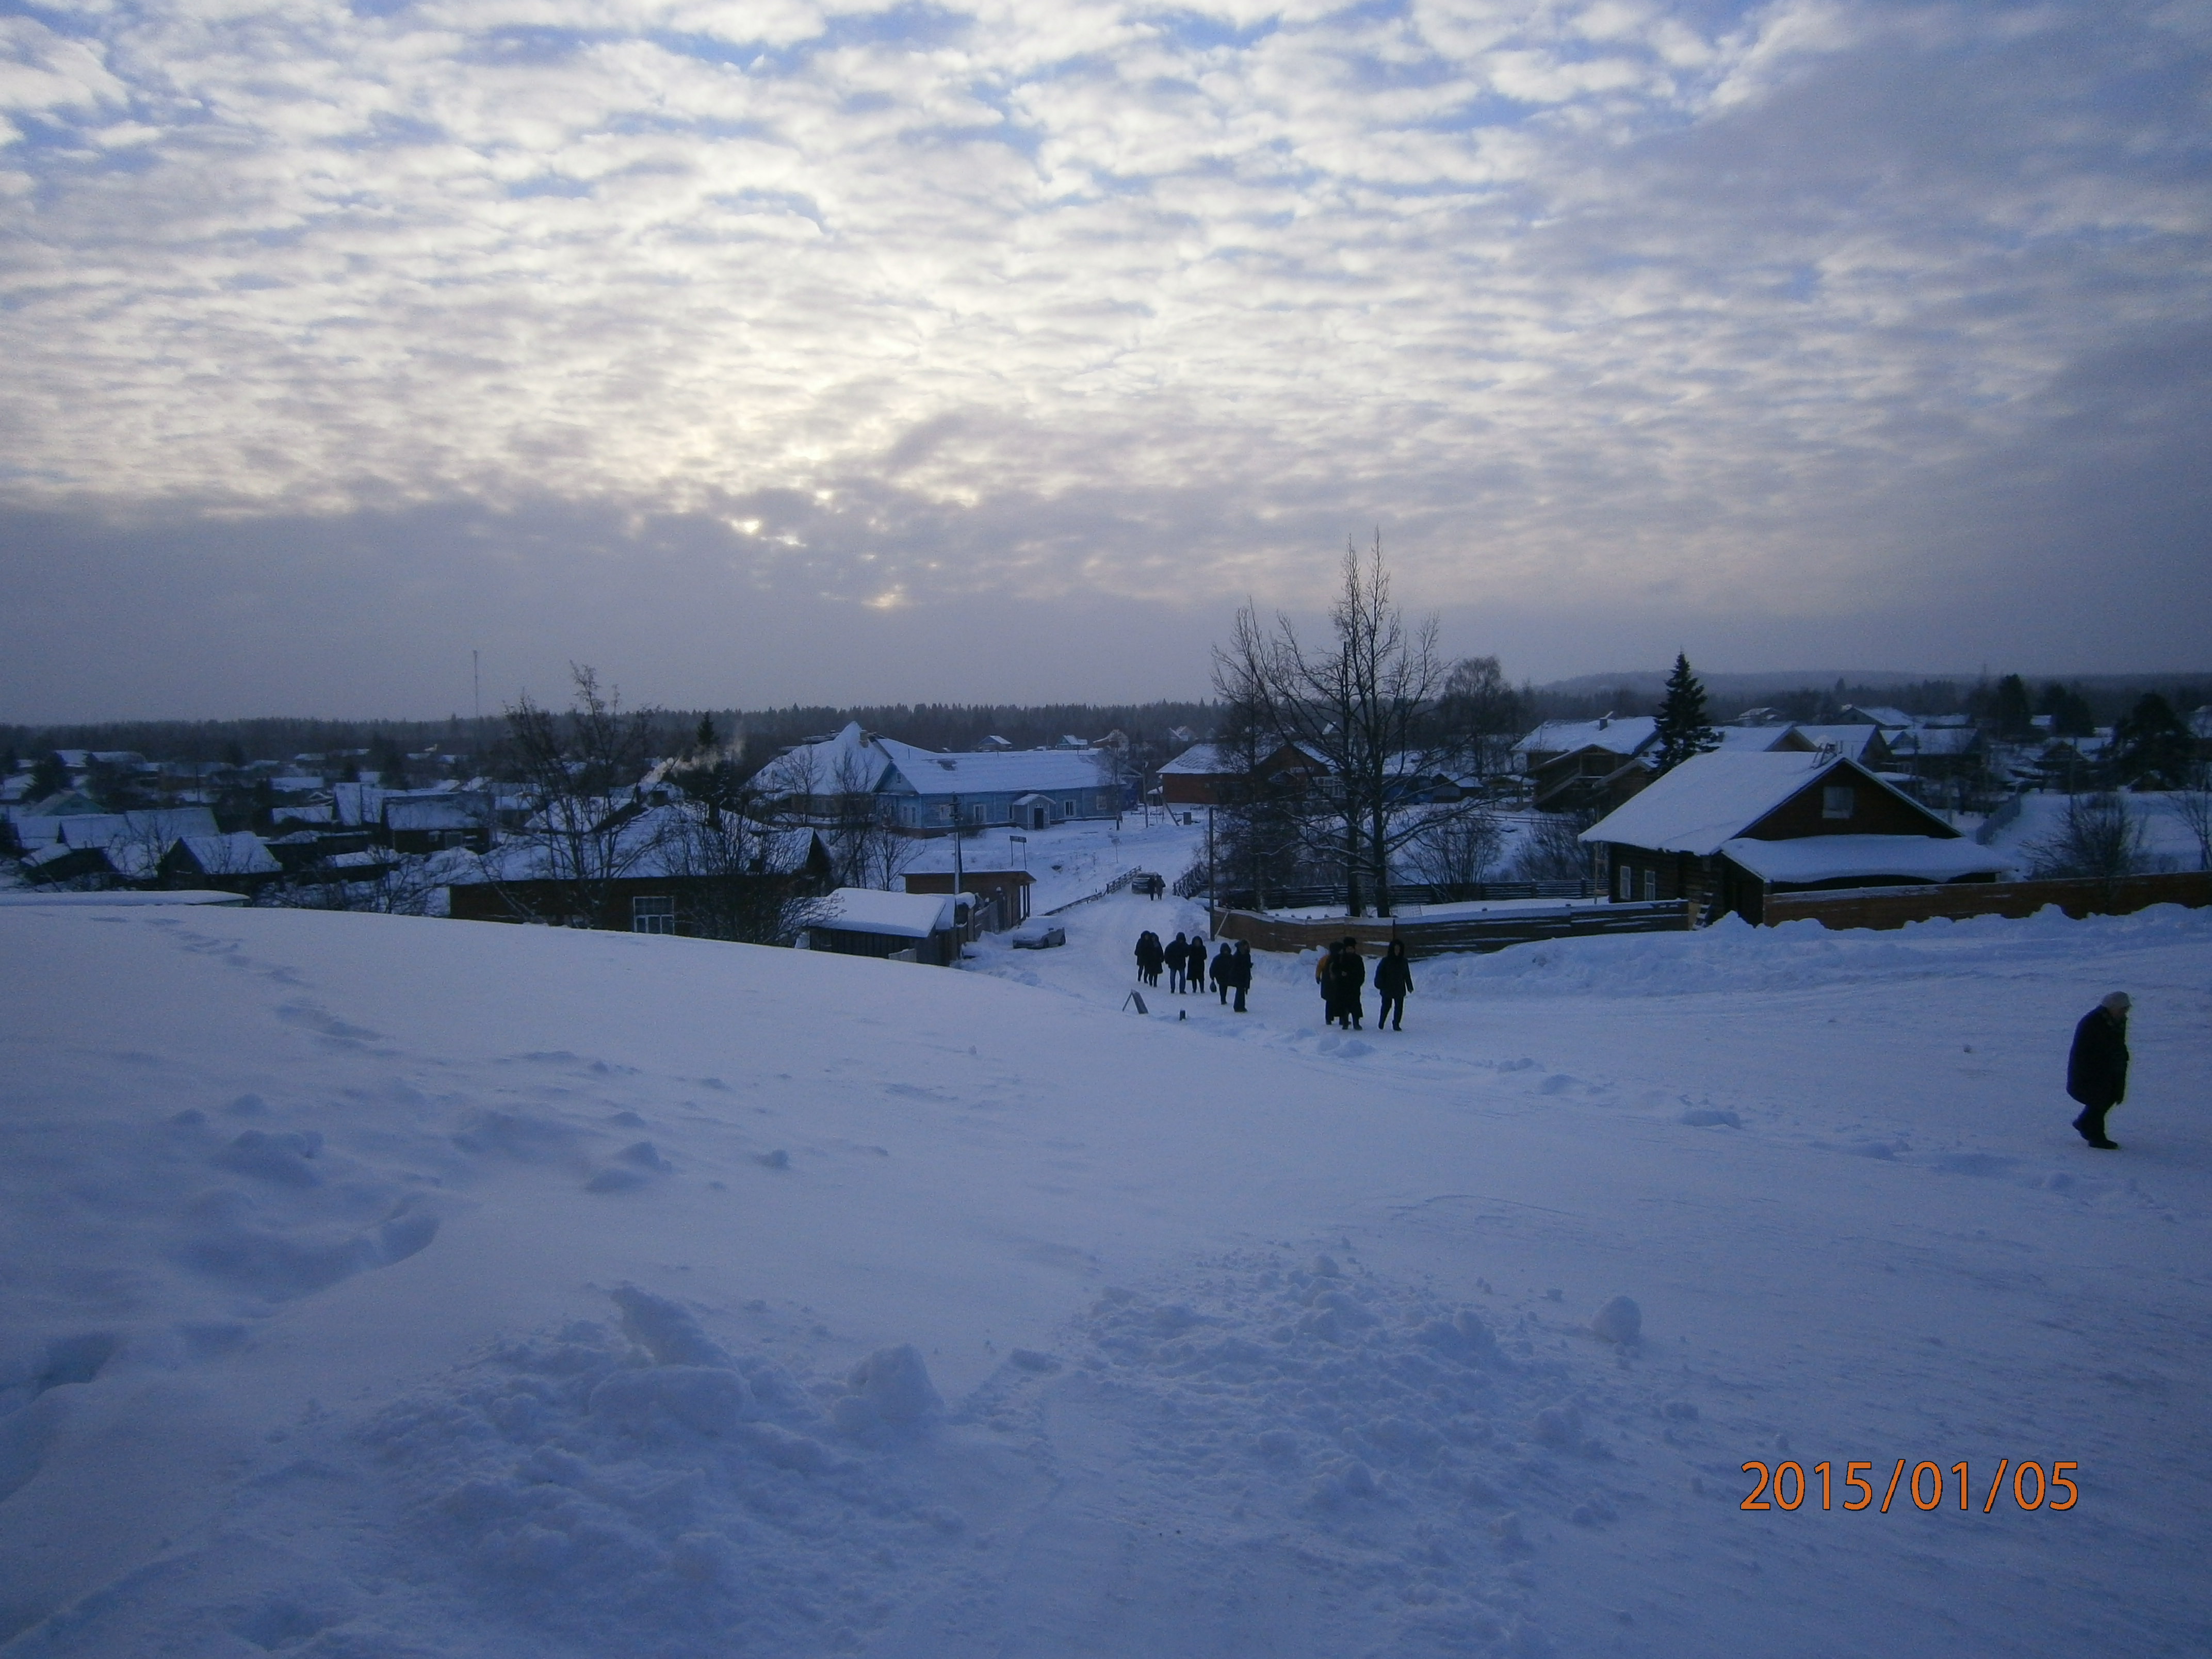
391 1287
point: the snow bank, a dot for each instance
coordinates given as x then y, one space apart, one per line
1733 956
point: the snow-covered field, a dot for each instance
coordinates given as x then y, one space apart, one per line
376 1287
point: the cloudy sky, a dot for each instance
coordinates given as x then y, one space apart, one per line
785 351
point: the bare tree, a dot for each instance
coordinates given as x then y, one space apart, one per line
2193 806
1551 849
1366 705
580 772
2098 837
1455 850
1484 713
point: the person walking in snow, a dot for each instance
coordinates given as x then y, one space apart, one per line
1324 977
2097 1067
1394 981
1150 956
1240 969
1178 959
1341 973
1222 970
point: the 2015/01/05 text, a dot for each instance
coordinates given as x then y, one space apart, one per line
1788 1486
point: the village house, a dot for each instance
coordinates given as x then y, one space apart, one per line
1210 774
661 871
1724 830
239 862
1576 766
925 792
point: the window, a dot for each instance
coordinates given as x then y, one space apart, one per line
1067 809
1651 884
1838 801
652 913
1627 884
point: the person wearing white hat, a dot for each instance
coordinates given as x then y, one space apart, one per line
2097 1068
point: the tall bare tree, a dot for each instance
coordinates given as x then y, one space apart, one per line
1365 704
580 772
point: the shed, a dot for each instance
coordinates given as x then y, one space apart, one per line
861 922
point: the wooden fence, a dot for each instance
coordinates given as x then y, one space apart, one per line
1894 907
1424 936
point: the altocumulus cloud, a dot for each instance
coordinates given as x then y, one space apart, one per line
1814 310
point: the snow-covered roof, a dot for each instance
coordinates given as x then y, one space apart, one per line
161 827
1895 719
1712 798
1933 740
1016 772
1747 739
1200 760
670 842
239 853
1840 858
1621 737
444 810
1851 740
903 915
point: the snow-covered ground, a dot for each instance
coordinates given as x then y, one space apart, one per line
379 1287
2168 843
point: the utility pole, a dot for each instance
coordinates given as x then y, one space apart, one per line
475 687
1209 868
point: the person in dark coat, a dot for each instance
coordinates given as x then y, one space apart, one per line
2097 1067
1324 977
1178 959
1222 970
1240 969
1150 956
1348 972
1394 981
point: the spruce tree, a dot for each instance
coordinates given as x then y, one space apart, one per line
1684 728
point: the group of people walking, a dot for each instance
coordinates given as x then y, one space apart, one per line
1342 975
1184 958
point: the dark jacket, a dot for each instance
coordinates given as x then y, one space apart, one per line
1240 969
1347 973
1224 967
1394 975
2097 1069
1178 953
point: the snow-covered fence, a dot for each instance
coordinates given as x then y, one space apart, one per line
1426 938
2078 896
1995 823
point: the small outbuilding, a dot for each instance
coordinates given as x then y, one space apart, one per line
861 922
1003 894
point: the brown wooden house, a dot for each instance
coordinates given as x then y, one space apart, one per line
1724 830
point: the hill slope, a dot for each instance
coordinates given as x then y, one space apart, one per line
378 1287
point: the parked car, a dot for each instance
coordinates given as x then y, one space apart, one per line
1039 936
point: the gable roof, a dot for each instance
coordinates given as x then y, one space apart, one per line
1853 740
241 852
1011 773
1622 737
1200 760
1715 797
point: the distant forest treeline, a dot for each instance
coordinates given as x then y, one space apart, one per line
963 725
763 731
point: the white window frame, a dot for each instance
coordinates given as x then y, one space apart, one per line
1838 801
655 920
1650 886
1626 883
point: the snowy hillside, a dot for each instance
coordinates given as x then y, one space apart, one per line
380 1287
